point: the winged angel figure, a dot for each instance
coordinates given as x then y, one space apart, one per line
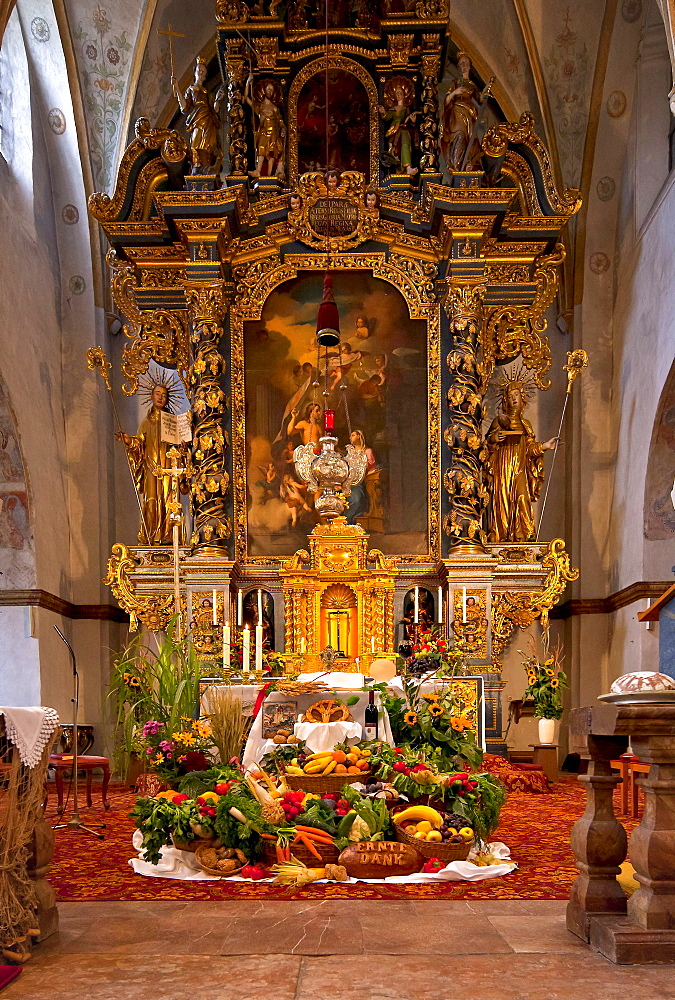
330 474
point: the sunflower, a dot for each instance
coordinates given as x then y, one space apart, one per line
431 698
531 678
460 724
135 682
410 718
435 709
549 662
555 682
549 672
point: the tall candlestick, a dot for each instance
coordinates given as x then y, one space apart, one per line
464 605
259 606
240 608
215 608
226 646
417 605
246 649
440 606
258 647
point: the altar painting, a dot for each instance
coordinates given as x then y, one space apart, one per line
382 360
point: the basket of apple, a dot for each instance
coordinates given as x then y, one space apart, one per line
434 834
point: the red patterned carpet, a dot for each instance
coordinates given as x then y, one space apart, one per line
535 827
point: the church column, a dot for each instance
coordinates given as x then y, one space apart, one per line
207 307
431 62
236 73
463 434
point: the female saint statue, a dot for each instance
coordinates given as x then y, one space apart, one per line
515 465
147 454
270 136
459 142
201 121
399 95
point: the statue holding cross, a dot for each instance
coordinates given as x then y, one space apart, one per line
201 117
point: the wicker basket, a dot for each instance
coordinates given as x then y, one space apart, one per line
329 854
212 871
444 852
321 784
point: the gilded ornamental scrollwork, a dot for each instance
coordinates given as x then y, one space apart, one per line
338 219
207 307
159 335
153 610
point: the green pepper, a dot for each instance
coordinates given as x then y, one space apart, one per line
346 823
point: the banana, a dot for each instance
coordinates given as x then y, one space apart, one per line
419 813
294 770
316 767
321 753
330 766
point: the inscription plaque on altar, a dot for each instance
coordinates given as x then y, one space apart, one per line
333 217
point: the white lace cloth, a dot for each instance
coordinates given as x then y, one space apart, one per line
30 730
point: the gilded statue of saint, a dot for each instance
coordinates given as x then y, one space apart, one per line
147 454
515 465
459 142
201 121
270 134
397 114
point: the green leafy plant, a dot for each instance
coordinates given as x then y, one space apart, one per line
148 684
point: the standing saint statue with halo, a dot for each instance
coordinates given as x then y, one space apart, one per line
147 455
515 462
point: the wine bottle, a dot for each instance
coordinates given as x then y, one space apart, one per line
371 717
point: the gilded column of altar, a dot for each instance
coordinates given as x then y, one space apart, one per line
207 307
236 72
463 435
429 124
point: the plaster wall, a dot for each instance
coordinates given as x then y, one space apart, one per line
47 321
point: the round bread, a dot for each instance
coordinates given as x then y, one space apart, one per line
327 710
643 680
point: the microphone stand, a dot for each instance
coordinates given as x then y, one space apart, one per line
75 823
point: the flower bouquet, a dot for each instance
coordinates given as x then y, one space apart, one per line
171 755
545 682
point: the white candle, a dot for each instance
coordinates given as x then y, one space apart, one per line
226 646
240 608
372 644
246 648
258 647
259 607
440 605
215 608
417 605
302 645
464 605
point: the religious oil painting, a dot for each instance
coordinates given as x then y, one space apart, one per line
348 123
375 381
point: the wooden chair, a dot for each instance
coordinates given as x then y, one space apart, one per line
62 762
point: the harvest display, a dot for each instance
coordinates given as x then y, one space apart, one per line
392 813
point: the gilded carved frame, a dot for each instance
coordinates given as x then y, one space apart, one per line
255 280
335 61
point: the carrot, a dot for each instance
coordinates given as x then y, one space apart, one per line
314 832
328 841
309 845
280 854
268 836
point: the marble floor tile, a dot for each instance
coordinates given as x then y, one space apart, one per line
480 977
541 933
106 977
431 934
